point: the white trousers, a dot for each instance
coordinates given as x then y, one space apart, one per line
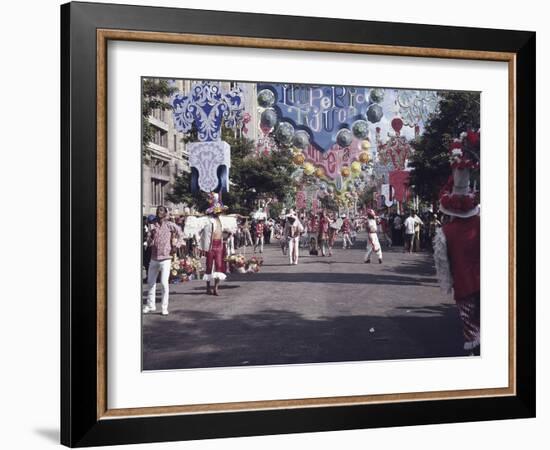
154 268
346 238
259 243
373 245
294 250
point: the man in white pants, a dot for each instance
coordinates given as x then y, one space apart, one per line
373 245
160 237
293 230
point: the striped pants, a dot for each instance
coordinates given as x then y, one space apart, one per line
469 311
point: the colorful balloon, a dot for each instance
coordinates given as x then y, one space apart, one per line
397 124
376 95
284 133
365 145
360 129
301 139
344 137
355 167
298 159
309 168
375 113
266 98
268 118
364 157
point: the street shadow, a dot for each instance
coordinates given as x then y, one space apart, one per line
323 277
197 339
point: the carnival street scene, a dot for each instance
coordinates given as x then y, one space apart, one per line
297 224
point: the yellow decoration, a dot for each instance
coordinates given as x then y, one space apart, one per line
309 168
298 159
364 157
319 172
296 150
365 145
345 171
355 167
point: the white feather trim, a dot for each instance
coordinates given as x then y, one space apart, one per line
442 266
194 225
209 277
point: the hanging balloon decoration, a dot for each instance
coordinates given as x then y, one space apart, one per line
364 157
396 150
375 113
284 133
360 129
298 159
320 172
309 168
268 119
365 145
355 167
266 98
344 138
301 139
376 95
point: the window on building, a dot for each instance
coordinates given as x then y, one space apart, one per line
160 137
158 191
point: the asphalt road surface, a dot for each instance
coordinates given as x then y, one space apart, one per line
325 309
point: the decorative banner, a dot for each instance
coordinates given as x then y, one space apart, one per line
416 106
387 190
207 108
399 179
396 150
321 111
206 157
335 159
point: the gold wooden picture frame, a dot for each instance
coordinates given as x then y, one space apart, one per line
86 416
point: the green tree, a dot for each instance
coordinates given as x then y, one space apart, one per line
251 177
328 202
458 112
153 96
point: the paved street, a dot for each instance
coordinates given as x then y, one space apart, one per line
325 309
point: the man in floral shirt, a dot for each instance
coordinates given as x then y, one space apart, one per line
161 234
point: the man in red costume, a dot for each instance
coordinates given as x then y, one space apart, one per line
457 247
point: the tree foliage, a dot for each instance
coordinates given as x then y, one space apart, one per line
458 112
154 93
251 177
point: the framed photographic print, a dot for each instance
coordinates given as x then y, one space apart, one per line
278 224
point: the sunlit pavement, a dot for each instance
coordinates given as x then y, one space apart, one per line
325 309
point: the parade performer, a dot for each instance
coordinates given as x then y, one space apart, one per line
260 235
211 229
346 232
333 229
292 233
160 236
457 247
373 245
323 229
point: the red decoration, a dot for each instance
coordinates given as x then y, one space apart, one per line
399 179
397 124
